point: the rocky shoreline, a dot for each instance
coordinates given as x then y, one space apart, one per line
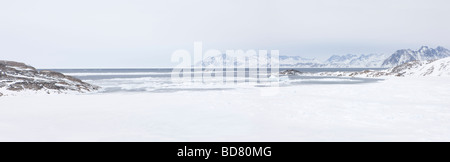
16 77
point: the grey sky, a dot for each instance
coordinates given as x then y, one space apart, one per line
144 33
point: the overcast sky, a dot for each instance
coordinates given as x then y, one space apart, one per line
144 33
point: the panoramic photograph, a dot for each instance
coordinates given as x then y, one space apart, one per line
224 71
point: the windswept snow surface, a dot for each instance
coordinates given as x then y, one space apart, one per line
397 109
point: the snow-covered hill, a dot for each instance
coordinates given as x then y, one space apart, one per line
19 78
424 68
439 67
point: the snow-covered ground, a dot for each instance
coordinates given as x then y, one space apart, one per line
397 109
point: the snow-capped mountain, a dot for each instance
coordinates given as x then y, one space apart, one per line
297 61
380 60
344 61
371 60
284 61
224 61
335 61
408 55
355 61
292 60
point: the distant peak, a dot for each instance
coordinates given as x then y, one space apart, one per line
404 50
424 48
440 48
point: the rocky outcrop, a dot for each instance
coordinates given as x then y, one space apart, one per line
18 77
290 72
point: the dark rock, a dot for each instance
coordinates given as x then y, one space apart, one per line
290 72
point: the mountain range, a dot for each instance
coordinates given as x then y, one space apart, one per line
344 61
423 54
